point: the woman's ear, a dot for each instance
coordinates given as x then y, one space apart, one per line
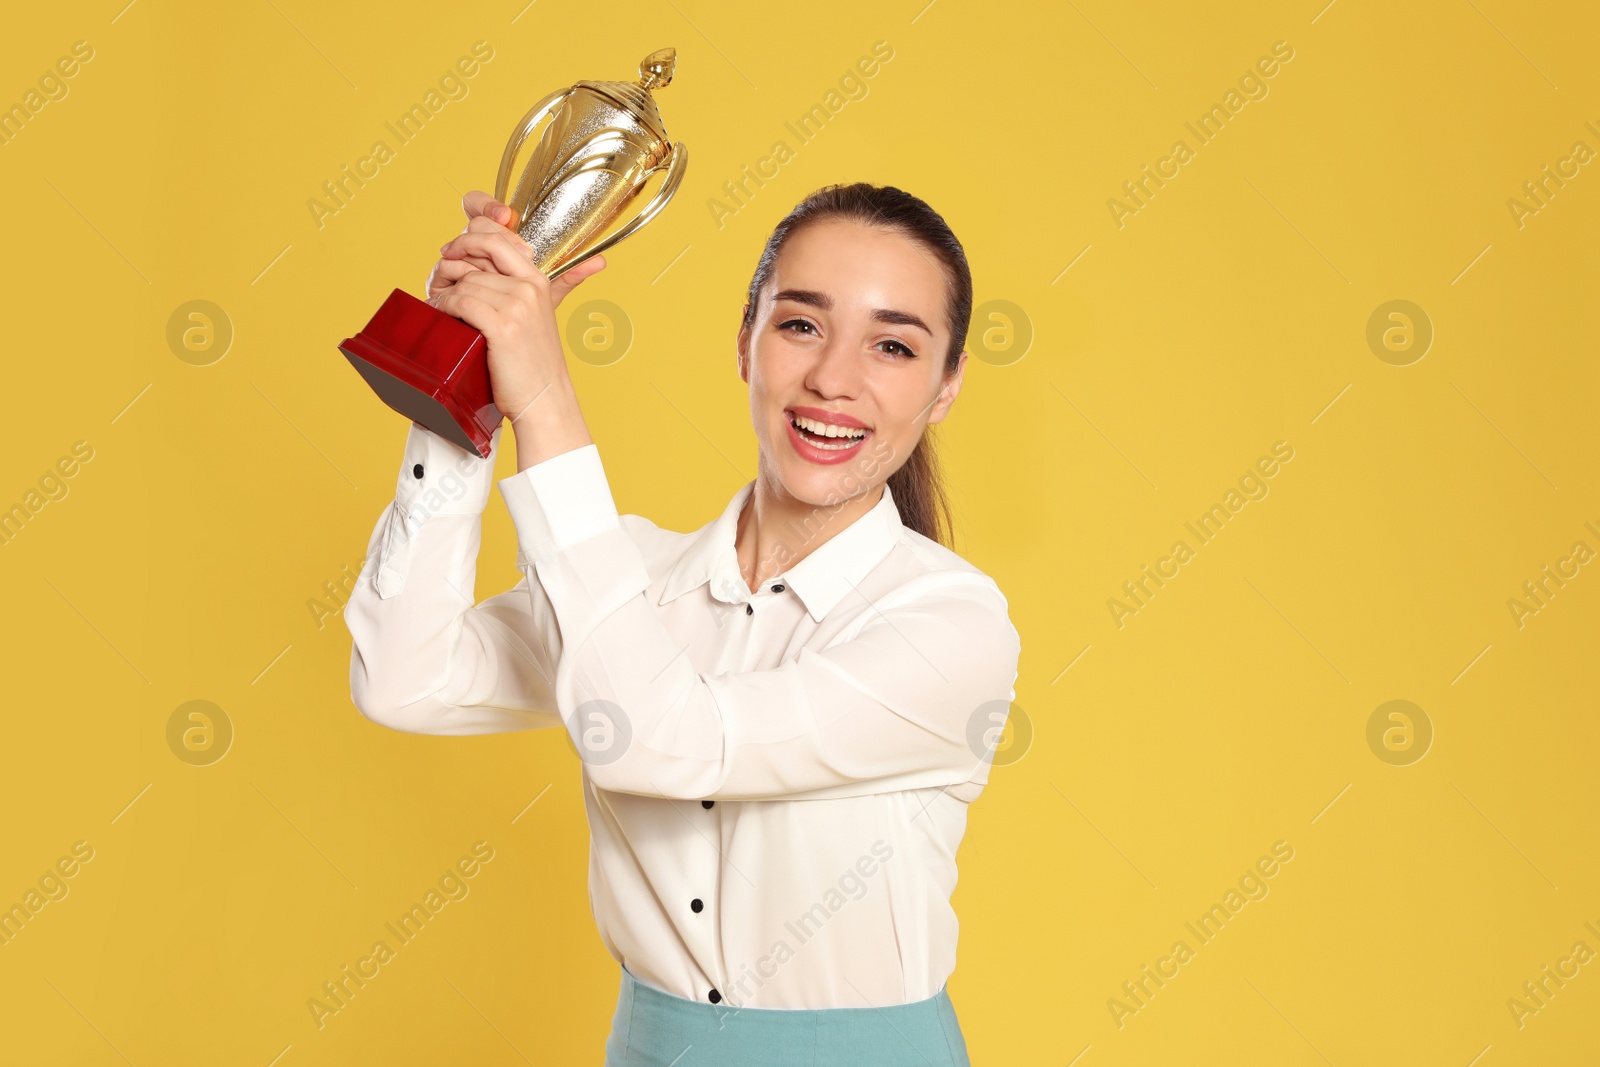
949 390
742 352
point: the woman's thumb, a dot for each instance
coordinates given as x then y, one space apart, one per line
589 267
577 274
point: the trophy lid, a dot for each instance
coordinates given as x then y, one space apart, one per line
655 72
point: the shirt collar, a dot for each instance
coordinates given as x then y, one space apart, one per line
821 579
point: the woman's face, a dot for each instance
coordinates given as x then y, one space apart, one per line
850 330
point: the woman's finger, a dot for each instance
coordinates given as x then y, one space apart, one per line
488 253
485 224
482 224
513 301
477 202
469 308
506 298
457 268
451 270
508 254
447 272
505 295
493 304
575 275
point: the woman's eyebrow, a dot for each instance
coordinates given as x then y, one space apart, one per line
823 301
900 318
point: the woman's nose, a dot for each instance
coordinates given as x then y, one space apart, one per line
837 370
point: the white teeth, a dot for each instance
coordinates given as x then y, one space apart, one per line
825 429
841 446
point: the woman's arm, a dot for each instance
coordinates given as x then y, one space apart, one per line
903 699
908 697
424 659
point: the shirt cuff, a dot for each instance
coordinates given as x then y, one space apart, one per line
559 503
571 540
438 477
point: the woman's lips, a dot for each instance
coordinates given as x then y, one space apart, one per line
833 418
818 454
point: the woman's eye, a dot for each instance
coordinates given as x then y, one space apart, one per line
808 329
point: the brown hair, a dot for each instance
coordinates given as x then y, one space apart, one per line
916 485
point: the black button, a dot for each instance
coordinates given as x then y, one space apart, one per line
778 588
696 906
749 610
707 803
714 997
416 472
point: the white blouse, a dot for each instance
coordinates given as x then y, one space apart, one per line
776 782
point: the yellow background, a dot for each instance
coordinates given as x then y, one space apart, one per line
1229 713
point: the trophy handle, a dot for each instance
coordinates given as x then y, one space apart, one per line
675 165
524 128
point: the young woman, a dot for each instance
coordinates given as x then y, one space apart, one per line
783 715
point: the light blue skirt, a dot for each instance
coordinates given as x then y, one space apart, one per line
654 1028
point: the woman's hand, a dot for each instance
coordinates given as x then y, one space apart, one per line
482 210
486 277
512 303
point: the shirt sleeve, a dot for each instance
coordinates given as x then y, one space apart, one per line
424 658
907 697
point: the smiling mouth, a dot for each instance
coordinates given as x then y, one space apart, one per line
840 439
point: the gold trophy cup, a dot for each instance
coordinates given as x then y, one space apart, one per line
601 143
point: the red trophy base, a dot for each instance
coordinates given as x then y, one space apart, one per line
430 367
